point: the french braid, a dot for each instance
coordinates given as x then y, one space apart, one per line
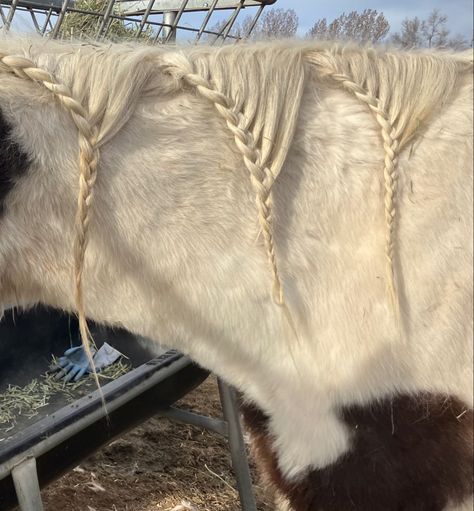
390 173
88 158
261 177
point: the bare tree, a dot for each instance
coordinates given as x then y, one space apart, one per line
366 26
429 33
458 43
434 29
410 35
319 30
277 24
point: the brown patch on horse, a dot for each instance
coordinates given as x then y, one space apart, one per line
13 161
409 453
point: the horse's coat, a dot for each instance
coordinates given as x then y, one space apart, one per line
340 160
394 443
13 162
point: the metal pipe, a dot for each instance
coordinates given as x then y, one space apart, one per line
152 23
171 37
35 22
148 9
206 20
169 27
48 18
185 417
158 32
60 19
254 21
25 479
238 452
10 14
2 15
232 19
105 19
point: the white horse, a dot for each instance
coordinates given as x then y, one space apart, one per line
295 217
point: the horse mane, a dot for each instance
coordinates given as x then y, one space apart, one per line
403 90
256 89
410 86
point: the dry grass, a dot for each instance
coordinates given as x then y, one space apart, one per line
160 466
27 401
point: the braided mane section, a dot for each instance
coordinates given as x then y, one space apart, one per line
88 158
259 112
402 90
260 176
390 175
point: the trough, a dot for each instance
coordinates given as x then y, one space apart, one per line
38 447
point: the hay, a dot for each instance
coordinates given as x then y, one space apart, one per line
28 400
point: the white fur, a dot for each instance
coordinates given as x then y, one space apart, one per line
174 252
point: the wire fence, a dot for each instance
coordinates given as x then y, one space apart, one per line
156 21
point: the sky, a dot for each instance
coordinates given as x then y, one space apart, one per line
459 12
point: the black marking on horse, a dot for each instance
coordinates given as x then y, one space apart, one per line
13 162
409 453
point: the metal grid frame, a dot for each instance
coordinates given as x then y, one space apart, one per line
160 17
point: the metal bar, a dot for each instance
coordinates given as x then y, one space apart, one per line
4 19
153 23
254 21
186 417
25 479
169 26
35 22
206 20
232 19
105 19
10 14
171 36
44 4
162 6
144 18
158 32
238 452
47 21
218 34
130 19
60 19
160 24
50 25
107 28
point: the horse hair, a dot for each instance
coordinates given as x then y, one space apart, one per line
99 85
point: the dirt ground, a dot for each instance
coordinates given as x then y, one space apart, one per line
159 466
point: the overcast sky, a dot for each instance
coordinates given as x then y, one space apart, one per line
459 12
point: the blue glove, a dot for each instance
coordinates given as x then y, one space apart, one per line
73 364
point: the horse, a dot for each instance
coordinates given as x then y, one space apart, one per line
295 216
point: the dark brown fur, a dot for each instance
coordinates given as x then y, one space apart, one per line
13 161
410 453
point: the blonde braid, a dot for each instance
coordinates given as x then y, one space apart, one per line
88 156
261 177
390 145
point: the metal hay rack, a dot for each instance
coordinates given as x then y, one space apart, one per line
156 21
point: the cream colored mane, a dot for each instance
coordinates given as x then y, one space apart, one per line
257 91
